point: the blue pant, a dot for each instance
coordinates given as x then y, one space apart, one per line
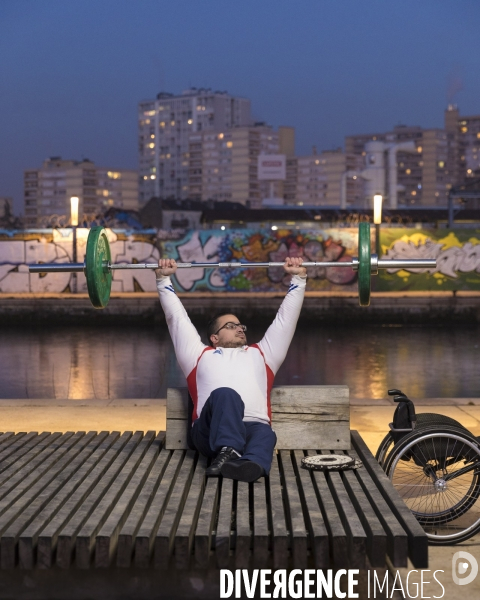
221 424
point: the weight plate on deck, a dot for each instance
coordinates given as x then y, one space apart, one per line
328 462
364 266
99 277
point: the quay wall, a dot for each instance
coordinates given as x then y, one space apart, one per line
385 307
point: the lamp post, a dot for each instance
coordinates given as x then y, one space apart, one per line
377 219
74 224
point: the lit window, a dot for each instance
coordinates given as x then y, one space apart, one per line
229 144
441 164
317 162
374 137
105 193
464 129
114 175
220 136
152 136
151 145
190 121
172 123
162 123
469 171
478 135
414 193
354 177
419 149
149 113
152 176
408 171
274 228
147 122
145 177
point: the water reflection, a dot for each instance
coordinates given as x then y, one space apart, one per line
137 361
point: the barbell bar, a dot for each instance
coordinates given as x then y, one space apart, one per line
98 267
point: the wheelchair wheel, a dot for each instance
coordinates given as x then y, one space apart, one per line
423 420
436 471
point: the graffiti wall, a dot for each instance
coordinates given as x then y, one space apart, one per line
457 253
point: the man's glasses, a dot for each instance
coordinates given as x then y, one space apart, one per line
232 326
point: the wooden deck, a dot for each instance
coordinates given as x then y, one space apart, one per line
122 503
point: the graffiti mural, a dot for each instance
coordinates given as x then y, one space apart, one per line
457 253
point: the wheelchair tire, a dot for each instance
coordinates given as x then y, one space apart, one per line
436 471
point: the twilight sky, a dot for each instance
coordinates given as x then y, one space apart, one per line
72 72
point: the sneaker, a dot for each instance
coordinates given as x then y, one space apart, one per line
242 470
225 455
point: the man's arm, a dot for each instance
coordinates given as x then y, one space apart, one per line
276 341
186 340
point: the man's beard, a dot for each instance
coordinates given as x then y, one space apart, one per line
233 344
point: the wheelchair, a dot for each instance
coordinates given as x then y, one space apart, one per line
434 464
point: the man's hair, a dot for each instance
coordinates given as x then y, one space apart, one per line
213 323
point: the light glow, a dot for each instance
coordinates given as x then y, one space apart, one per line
74 211
377 209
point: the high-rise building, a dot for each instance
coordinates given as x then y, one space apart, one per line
423 175
223 164
165 125
464 145
47 191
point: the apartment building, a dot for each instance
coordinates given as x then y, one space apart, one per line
463 134
223 164
422 172
164 128
47 191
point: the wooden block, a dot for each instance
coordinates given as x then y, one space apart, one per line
313 515
144 538
206 523
53 497
243 533
309 435
165 536
72 496
307 398
298 532
260 525
107 537
417 539
126 538
184 535
77 510
278 516
224 525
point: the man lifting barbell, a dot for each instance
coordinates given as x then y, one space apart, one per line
230 381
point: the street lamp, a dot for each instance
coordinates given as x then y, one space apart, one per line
377 219
74 224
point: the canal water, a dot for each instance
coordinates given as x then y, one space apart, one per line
137 361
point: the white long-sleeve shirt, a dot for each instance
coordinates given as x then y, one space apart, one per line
248 370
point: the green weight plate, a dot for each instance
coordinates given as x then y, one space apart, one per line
99 277
364 264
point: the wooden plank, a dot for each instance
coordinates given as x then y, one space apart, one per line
397 540
260 524
71 496
224 525
145 535
165 536
23 450
298 531
333 412
206 523
286 397
34 498
176 436
243 533
417 539
107 538
356 536
85 539
184 535
126 538
376 536
8 438
94 511
336 531
36 463
75 512
305 435
277 510
313 515
57 492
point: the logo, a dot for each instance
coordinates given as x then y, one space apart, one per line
460 567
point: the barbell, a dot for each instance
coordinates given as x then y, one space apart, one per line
98 267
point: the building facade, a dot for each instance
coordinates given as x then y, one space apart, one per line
47 191
164 128
223 164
